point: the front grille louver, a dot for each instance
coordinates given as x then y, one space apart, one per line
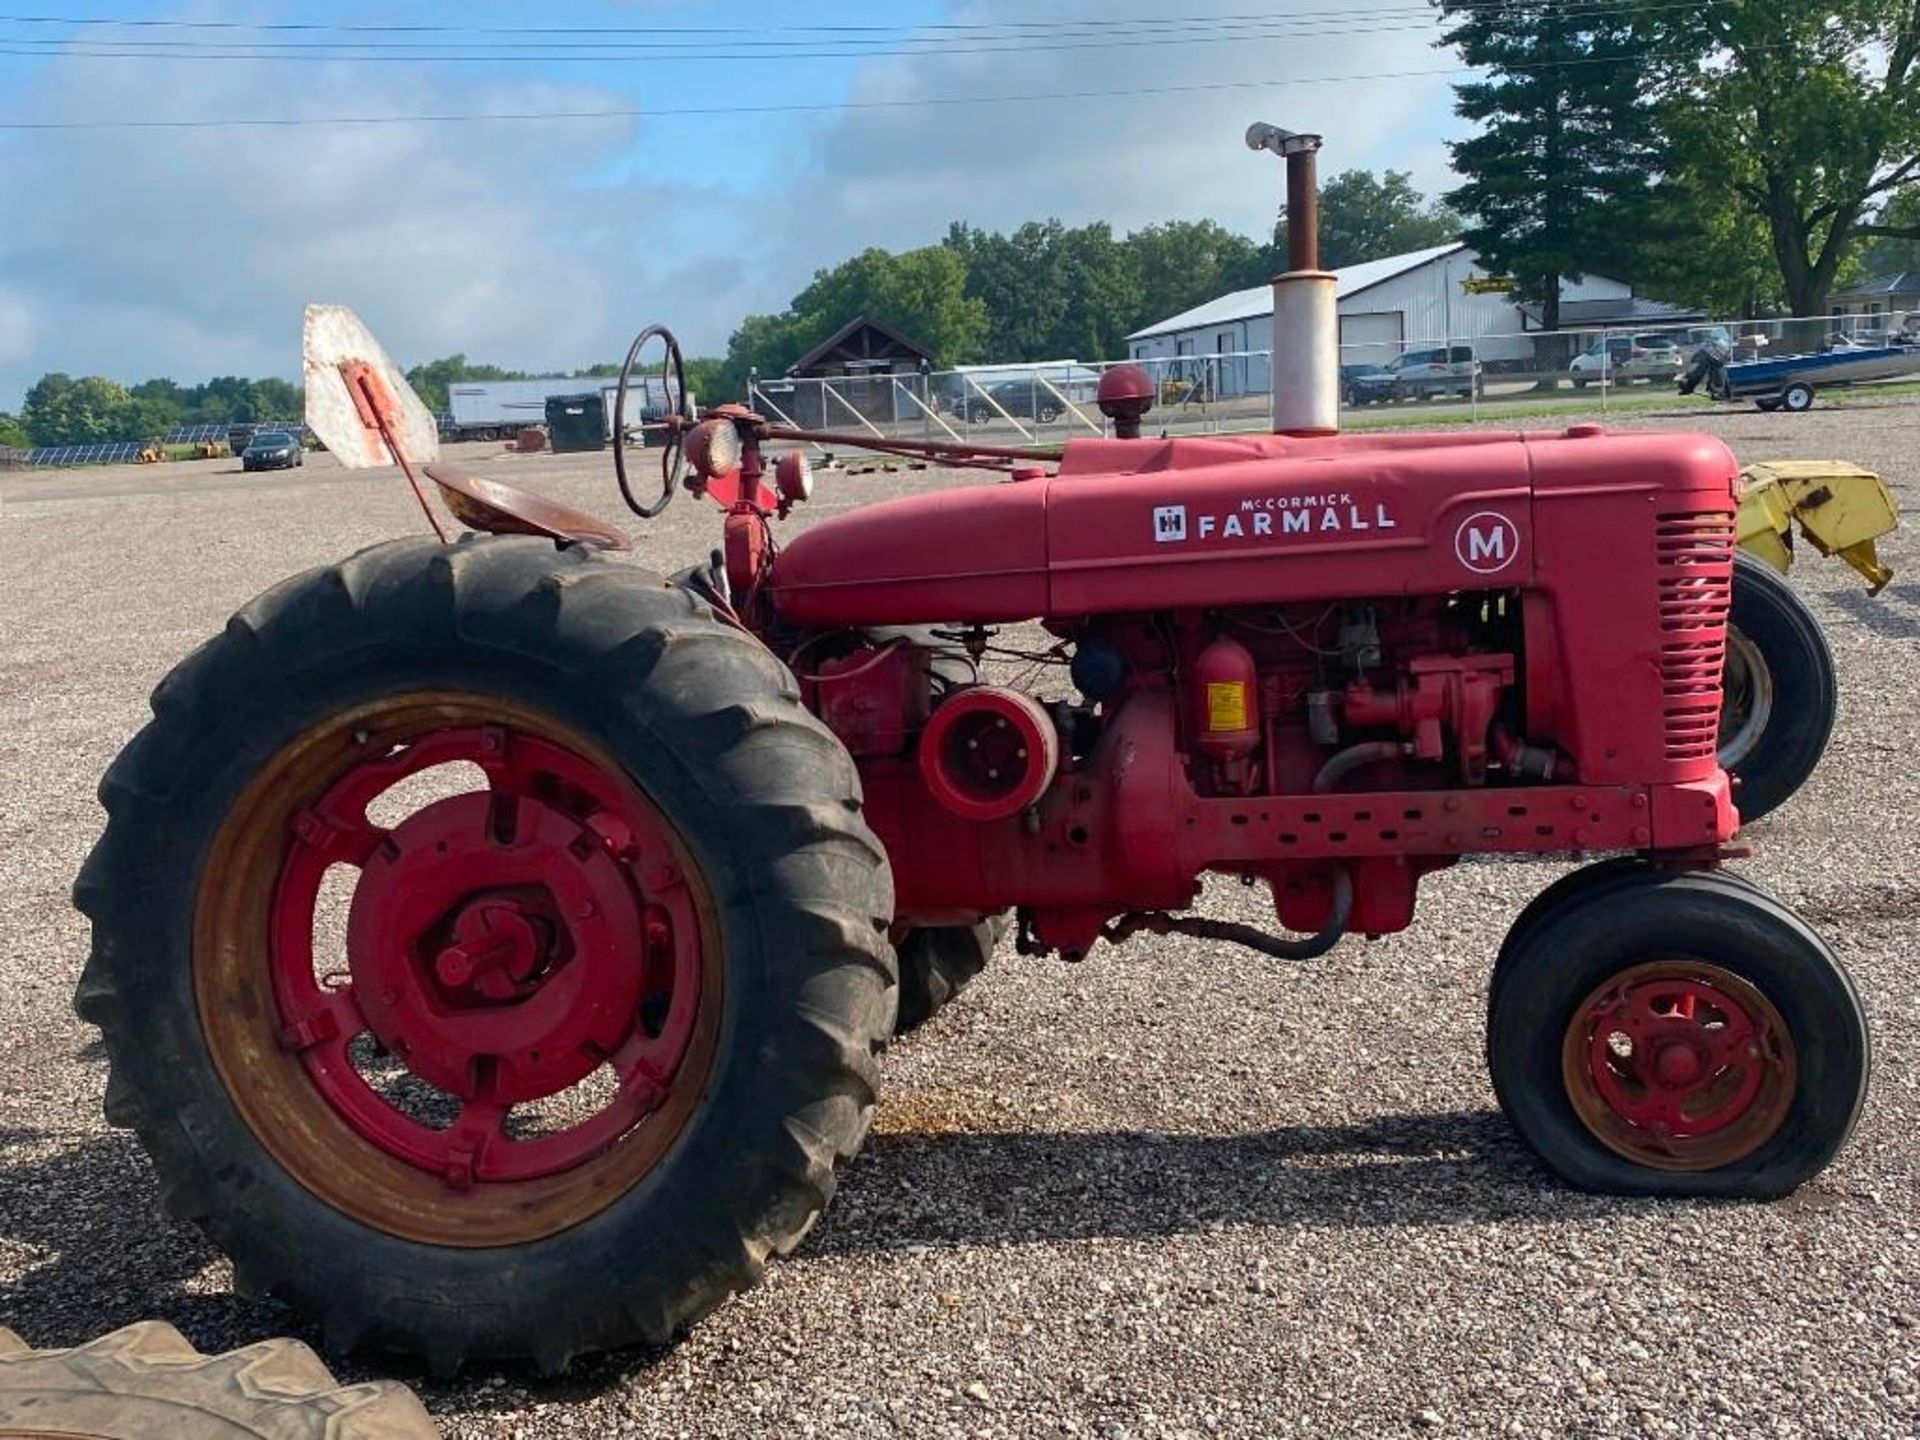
1695 558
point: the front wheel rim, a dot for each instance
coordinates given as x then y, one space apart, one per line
527 1013
1746 699
1679 1065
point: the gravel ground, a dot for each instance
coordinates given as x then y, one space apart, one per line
1171 1191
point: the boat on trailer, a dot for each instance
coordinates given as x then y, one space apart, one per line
1788 382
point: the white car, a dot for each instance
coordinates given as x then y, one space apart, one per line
1618 359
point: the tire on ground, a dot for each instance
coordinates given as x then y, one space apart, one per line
937 963
765 803
1772 763
1599 934
145 1380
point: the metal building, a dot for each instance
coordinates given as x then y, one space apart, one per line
1426 297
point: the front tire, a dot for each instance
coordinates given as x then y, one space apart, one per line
602 1024
1780 692
1797 397
1678 1034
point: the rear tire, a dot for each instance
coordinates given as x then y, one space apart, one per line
763 847
1681 1034
1797 397
1782 695
937 963
145 1380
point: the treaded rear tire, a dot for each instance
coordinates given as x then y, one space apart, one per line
1806 691
767 804
145 1381
937 963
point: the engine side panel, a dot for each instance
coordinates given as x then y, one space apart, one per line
1408 522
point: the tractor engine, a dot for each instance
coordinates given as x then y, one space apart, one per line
1329 665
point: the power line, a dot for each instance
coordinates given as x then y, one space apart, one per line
924 102
755 50
1573 8
898 41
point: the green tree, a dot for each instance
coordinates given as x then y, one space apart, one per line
1364 217
226 398
1558 171
1694 249
13 435
1802 114
1184 263
921 293
277 399
1009 275
430 380
1893 244
703 379
60 410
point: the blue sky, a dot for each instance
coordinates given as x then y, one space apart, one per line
189 252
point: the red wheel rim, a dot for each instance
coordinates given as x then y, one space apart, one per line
538 945
1679 1065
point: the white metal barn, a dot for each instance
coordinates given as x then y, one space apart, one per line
1385 306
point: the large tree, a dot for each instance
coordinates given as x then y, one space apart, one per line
60 410
1050 292
1894 246
1185 263
1693 249
1803 114
1368 217
1557 177
431 378
922 294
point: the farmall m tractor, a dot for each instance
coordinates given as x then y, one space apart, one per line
494 939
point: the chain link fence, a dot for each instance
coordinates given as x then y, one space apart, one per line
1490 376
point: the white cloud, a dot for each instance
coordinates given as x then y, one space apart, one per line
894 177
191 252
16 329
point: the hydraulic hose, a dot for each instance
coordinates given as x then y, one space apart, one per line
1355 757
1279 948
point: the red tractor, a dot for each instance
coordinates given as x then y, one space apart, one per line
494 939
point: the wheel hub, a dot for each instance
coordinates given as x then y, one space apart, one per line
518 1014
1680 1065
497 946
487 944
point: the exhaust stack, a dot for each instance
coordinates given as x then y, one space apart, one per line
1306 327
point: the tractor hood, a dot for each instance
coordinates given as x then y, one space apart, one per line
1220 520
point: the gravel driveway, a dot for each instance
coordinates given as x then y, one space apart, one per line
1174 1190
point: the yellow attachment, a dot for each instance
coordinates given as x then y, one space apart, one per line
1841 510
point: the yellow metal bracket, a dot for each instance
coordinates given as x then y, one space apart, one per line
1840 508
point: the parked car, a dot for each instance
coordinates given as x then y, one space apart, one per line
1365 383
1022 399
272 450
1621 359
1416 375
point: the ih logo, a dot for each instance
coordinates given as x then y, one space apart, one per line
1486 541
1170 522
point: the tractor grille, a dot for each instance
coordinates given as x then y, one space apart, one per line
1696 593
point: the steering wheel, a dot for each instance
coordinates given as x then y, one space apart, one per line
673 459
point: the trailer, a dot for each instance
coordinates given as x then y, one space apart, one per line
1788 382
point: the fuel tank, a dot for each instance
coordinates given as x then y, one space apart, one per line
1243 520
